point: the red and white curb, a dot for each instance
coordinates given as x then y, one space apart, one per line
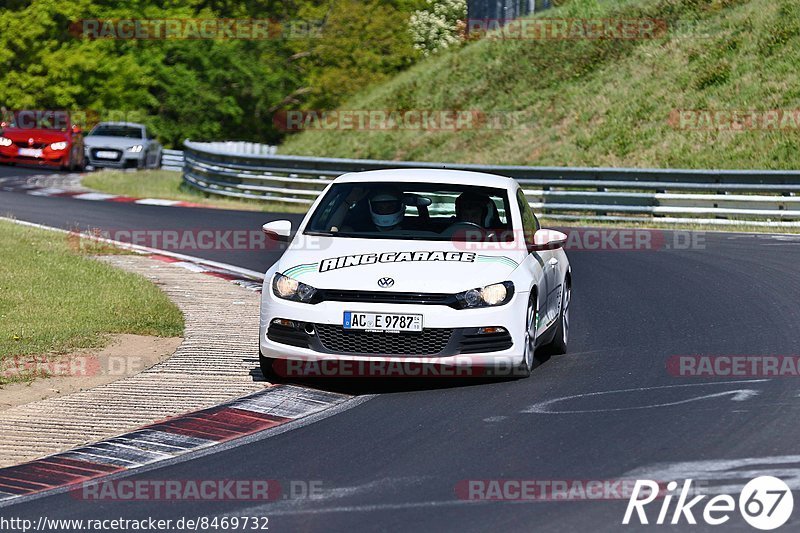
167 439
34 190
103 197
176 436
247 283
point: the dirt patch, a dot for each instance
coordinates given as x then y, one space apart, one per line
125 356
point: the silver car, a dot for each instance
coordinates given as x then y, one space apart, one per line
122 145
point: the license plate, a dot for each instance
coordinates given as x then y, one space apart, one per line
106 155
30 152
382 321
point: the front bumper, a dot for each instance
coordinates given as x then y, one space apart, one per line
123 160
48 158
450 336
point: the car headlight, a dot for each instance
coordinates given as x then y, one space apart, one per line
489 296
58 146
136 149
5 141
288 288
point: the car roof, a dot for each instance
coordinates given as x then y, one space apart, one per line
131 124
450 177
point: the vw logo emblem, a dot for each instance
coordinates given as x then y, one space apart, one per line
30 141
385 283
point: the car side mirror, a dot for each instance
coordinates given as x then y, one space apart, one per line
548 239
279 230
77 130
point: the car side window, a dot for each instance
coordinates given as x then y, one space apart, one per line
530 223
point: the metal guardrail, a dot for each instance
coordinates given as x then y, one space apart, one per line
723 197
172 160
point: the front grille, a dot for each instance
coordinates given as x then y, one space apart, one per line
24 144
488 342
427 342
385 297
287 335
93 153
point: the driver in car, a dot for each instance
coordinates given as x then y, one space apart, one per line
386 207
472 208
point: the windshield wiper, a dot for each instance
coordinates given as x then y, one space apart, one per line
326 234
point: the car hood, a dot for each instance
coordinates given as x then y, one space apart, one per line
39 136
415 266
102 141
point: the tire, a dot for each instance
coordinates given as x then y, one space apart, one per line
80 164
531 317
267 368
558 346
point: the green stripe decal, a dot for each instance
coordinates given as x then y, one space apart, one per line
493 259
299 270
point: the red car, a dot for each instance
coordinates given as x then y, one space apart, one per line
42 138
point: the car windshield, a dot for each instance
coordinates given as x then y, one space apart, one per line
417 211
117 131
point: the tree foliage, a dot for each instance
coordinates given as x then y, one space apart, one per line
201 89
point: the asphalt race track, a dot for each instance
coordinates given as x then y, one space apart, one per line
393 462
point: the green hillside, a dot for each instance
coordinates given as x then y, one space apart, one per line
602 102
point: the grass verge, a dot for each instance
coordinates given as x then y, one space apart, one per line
54 300
168 185
601 102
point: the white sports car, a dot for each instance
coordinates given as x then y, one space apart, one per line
418 267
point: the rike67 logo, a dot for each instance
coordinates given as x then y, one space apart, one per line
765 503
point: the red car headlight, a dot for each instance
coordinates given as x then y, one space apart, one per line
59 145
5 141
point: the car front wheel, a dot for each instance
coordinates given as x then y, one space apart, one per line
559 344
268 368
529 346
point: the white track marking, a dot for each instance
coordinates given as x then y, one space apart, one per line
156 201
738 395
46 192
733 473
